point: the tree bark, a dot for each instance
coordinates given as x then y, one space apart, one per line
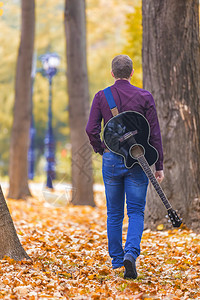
171 72
18 167
77 80
9 241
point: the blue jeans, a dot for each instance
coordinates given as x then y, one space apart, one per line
120 181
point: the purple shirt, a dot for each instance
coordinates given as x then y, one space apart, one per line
127 97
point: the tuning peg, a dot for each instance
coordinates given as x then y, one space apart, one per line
166 216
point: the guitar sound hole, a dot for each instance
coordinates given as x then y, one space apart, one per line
137 151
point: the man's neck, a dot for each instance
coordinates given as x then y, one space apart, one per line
127 79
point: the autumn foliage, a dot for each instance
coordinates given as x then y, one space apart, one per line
68 247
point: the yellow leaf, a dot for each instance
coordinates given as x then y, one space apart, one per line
91 276
160 227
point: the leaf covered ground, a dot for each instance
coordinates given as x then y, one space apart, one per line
68 247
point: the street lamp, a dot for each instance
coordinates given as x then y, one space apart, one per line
32 131
50 62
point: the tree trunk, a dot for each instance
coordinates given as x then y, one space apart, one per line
18 168
9 241
171 62
77 79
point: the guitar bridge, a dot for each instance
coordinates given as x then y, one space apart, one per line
127 135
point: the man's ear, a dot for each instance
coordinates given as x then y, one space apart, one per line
132 72
112 74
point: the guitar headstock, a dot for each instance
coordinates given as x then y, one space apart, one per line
176 221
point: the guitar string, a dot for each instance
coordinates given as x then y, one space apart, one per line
144 164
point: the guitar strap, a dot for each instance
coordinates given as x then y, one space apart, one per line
111 102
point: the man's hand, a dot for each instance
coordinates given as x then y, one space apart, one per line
159 175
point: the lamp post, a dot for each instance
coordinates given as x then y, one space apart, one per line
31 150
50 62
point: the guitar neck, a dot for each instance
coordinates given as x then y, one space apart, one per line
145 166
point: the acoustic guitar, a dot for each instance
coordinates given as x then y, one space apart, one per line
127 134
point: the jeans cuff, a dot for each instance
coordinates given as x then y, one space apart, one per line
117 266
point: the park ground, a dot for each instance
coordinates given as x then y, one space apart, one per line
68 248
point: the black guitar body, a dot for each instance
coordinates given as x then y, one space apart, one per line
124 131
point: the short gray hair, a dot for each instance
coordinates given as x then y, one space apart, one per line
122 66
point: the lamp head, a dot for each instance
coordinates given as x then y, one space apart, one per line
50 62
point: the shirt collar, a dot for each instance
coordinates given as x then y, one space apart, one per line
122 82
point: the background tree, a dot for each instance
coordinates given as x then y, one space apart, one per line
133 46
77 80
18 170
9 241
171 62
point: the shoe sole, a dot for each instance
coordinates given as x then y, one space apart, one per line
130 272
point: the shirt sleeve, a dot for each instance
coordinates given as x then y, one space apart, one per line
155 135
93 127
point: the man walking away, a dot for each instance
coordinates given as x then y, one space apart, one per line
118 180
